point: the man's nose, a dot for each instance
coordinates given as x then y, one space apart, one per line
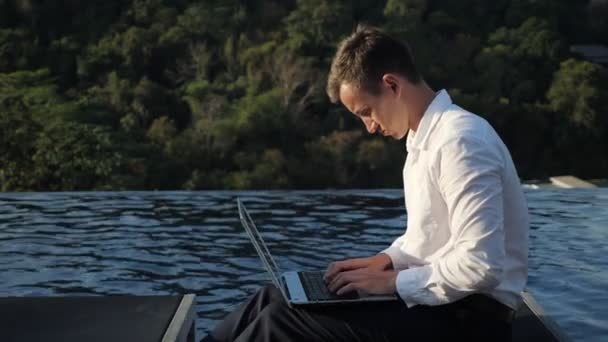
371 126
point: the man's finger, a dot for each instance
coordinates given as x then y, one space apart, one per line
329 273
339 280
347 288
332 283
341 266
344 278
332 269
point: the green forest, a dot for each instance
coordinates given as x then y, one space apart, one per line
230 94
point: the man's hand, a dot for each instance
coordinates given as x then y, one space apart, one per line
365 280
380 262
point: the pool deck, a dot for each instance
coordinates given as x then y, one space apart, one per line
566 182
570 182
532 324
98 318
165 319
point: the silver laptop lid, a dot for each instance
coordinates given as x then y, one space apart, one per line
260 247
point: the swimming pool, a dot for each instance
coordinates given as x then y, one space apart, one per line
97 243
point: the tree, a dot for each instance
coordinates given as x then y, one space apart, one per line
16 50
580 90
71 156
534 48
18 133
230 93
579 97
314 26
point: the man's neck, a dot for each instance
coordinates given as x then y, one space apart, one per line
420 101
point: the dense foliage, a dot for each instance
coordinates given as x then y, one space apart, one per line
209 94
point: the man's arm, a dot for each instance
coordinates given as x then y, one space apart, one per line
468 174
398 258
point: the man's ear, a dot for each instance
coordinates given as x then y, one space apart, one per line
390 81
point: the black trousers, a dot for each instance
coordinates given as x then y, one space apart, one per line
265 317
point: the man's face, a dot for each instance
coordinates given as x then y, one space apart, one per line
383 113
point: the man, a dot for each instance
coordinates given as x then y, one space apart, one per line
462 262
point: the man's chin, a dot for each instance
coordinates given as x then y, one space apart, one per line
398 136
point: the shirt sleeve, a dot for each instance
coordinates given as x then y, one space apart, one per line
399 259
468 174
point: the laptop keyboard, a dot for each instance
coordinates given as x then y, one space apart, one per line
315 287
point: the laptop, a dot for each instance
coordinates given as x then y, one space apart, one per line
300 288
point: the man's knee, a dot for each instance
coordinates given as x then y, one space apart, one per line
273 323
270 291
278 320
277 308
276 314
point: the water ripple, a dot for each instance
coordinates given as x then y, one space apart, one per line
146 243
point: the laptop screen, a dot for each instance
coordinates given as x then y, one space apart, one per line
260 247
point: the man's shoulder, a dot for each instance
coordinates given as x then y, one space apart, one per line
458 124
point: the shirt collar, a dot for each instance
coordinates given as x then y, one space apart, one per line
418 139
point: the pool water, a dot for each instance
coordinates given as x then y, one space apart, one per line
142 243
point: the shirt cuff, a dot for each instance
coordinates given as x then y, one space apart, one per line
411 284
397 258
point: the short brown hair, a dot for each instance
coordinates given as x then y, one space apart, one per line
364 57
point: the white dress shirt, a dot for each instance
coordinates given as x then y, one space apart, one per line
467 218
